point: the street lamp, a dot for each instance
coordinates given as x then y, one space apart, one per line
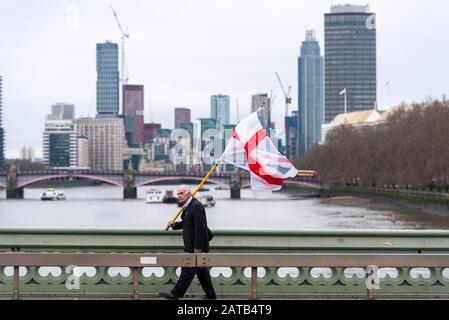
344 92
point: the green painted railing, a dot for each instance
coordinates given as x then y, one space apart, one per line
402 280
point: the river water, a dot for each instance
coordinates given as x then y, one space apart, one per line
103 207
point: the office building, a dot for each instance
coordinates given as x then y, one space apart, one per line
133 105
182 115
106 141
62 111
60 144
107 80
219 110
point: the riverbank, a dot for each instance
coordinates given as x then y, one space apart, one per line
362 202
384 200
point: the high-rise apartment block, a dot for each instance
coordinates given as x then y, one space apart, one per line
349 60
310 99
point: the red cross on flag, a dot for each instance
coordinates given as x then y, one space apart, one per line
251 149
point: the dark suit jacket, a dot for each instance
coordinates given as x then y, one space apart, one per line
195 232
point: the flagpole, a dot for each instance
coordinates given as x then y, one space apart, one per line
194 192
345 102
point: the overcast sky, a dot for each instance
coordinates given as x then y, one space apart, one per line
183 51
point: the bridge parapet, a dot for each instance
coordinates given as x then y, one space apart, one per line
301 264
2 180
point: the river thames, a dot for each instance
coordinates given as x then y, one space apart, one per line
103 207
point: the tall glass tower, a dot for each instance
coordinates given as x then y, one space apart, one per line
107 80
219 109
310 90
350 60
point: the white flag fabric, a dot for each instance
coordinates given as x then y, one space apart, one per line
343 91
251 149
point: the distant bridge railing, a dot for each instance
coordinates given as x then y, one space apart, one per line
299 264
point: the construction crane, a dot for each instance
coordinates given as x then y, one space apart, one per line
288 99
125 35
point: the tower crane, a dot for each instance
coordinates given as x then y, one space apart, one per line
125 35
288 98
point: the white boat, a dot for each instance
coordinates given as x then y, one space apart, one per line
207 201
153 196
52 194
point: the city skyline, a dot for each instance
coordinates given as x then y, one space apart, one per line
195 50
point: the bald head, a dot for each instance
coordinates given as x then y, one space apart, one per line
183 192
184 188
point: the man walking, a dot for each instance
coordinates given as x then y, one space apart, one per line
196 235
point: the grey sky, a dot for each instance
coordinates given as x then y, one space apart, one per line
185 51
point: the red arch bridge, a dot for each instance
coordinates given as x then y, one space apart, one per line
14 181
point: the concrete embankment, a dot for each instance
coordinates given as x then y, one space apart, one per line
421 202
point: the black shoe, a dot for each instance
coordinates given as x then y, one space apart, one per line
168 295
206 297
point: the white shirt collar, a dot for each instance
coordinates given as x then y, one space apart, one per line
187 202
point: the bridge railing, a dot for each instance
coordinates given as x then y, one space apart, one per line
136 262
299 264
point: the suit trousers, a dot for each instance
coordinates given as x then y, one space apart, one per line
186 277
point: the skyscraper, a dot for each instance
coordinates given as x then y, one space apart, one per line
133 113
350 59
182 115
257 101
62 111
107 80
219 109
310 99
2 131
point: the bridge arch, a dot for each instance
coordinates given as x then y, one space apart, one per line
84 176
178 178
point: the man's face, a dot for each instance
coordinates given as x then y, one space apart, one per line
183 195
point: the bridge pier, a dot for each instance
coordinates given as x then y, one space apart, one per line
16 193
130 193
235 185
12 191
